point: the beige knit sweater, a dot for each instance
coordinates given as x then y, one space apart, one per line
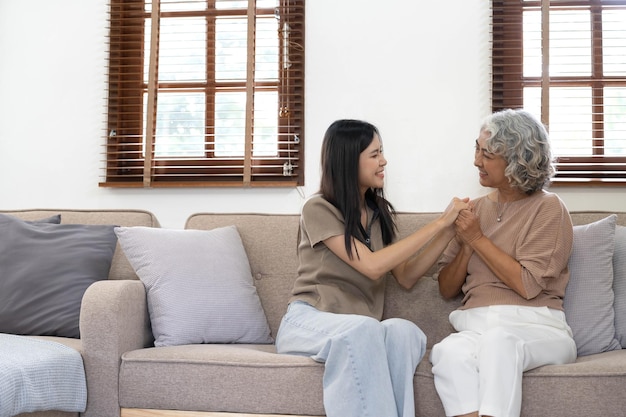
536 231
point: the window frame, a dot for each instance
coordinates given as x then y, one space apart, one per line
508 84
126 165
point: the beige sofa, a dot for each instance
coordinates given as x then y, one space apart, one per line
101 354
212 379
127 376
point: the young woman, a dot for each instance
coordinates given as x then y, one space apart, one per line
510 262
347 245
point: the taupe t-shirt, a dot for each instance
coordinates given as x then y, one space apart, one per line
537 231
324 280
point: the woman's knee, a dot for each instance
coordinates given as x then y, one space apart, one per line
362 327
440 350
451 350
399 329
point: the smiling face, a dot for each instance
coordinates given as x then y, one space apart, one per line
490 166
372 166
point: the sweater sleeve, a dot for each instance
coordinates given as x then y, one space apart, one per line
544 249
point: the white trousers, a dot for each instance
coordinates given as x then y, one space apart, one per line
480 367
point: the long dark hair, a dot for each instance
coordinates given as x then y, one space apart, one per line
343 143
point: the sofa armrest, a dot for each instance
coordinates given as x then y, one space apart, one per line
113 320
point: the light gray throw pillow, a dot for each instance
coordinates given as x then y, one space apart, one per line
589 296
45 269
199 285
619 284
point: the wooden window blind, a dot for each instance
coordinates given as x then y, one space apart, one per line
565 61
205 93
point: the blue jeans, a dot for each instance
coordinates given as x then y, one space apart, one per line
369 365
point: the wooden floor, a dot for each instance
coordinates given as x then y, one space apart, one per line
137 412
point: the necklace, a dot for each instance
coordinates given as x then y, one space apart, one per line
499 212
501 207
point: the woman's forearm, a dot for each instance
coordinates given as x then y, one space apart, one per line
452 276
408 273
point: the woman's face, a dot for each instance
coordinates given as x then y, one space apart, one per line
490 166
372 166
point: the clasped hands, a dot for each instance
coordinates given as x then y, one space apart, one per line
460 212
467 226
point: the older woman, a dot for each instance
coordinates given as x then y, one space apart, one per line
510 262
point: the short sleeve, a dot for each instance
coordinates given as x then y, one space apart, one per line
321 220
545 249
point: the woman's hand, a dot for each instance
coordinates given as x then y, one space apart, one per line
454 208
468 227
504 266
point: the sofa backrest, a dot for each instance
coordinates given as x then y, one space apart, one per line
270 241
120 267
585 217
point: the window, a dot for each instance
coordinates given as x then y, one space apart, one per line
565 61
205 93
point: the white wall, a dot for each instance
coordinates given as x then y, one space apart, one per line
422 76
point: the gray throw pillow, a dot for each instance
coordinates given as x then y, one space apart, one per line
619 284
589 296
45 269
199 285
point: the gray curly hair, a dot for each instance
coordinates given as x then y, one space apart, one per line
522 140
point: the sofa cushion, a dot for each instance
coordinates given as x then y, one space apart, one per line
46 269
589 296
199 285
619 284
236 378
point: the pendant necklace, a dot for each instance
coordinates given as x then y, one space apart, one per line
499 212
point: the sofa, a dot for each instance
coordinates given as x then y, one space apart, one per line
138 368
100 355
215 378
